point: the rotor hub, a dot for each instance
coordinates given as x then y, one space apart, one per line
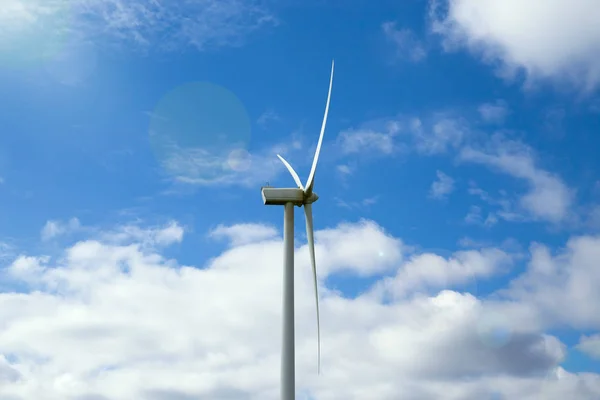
310 198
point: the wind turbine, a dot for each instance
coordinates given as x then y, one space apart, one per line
290 197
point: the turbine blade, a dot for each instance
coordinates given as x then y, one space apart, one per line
292 172
311 176
311 250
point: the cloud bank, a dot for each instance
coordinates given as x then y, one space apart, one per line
557 40
111 319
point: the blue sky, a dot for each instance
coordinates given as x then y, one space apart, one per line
459 167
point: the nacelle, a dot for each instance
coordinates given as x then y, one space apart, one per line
277 196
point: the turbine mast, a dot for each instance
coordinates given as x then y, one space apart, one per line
288 357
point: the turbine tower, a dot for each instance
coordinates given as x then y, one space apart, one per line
290 197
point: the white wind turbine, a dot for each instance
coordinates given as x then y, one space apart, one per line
300 196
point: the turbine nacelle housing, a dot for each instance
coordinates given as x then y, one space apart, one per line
279 197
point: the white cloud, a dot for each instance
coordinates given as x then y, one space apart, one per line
363 248
53 229
344 204
431 271
344 174
548 39
490 220
365 140
493 112
366 202
241 234
562 287
442 187
475 217
548 198
160 235
593 217
590 345
370 200
6 250
504 207
237 167
406 45
344 169
113 321
201 24
444 134
437 135
267 117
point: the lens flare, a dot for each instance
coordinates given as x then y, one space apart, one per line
199 133
239 160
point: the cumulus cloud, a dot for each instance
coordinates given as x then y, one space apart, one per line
241 234
557 39
442 187
367 251
590 345
563 286
430 271
159 235
108 320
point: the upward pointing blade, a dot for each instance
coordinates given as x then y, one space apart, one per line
311 176
292 172
311 250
